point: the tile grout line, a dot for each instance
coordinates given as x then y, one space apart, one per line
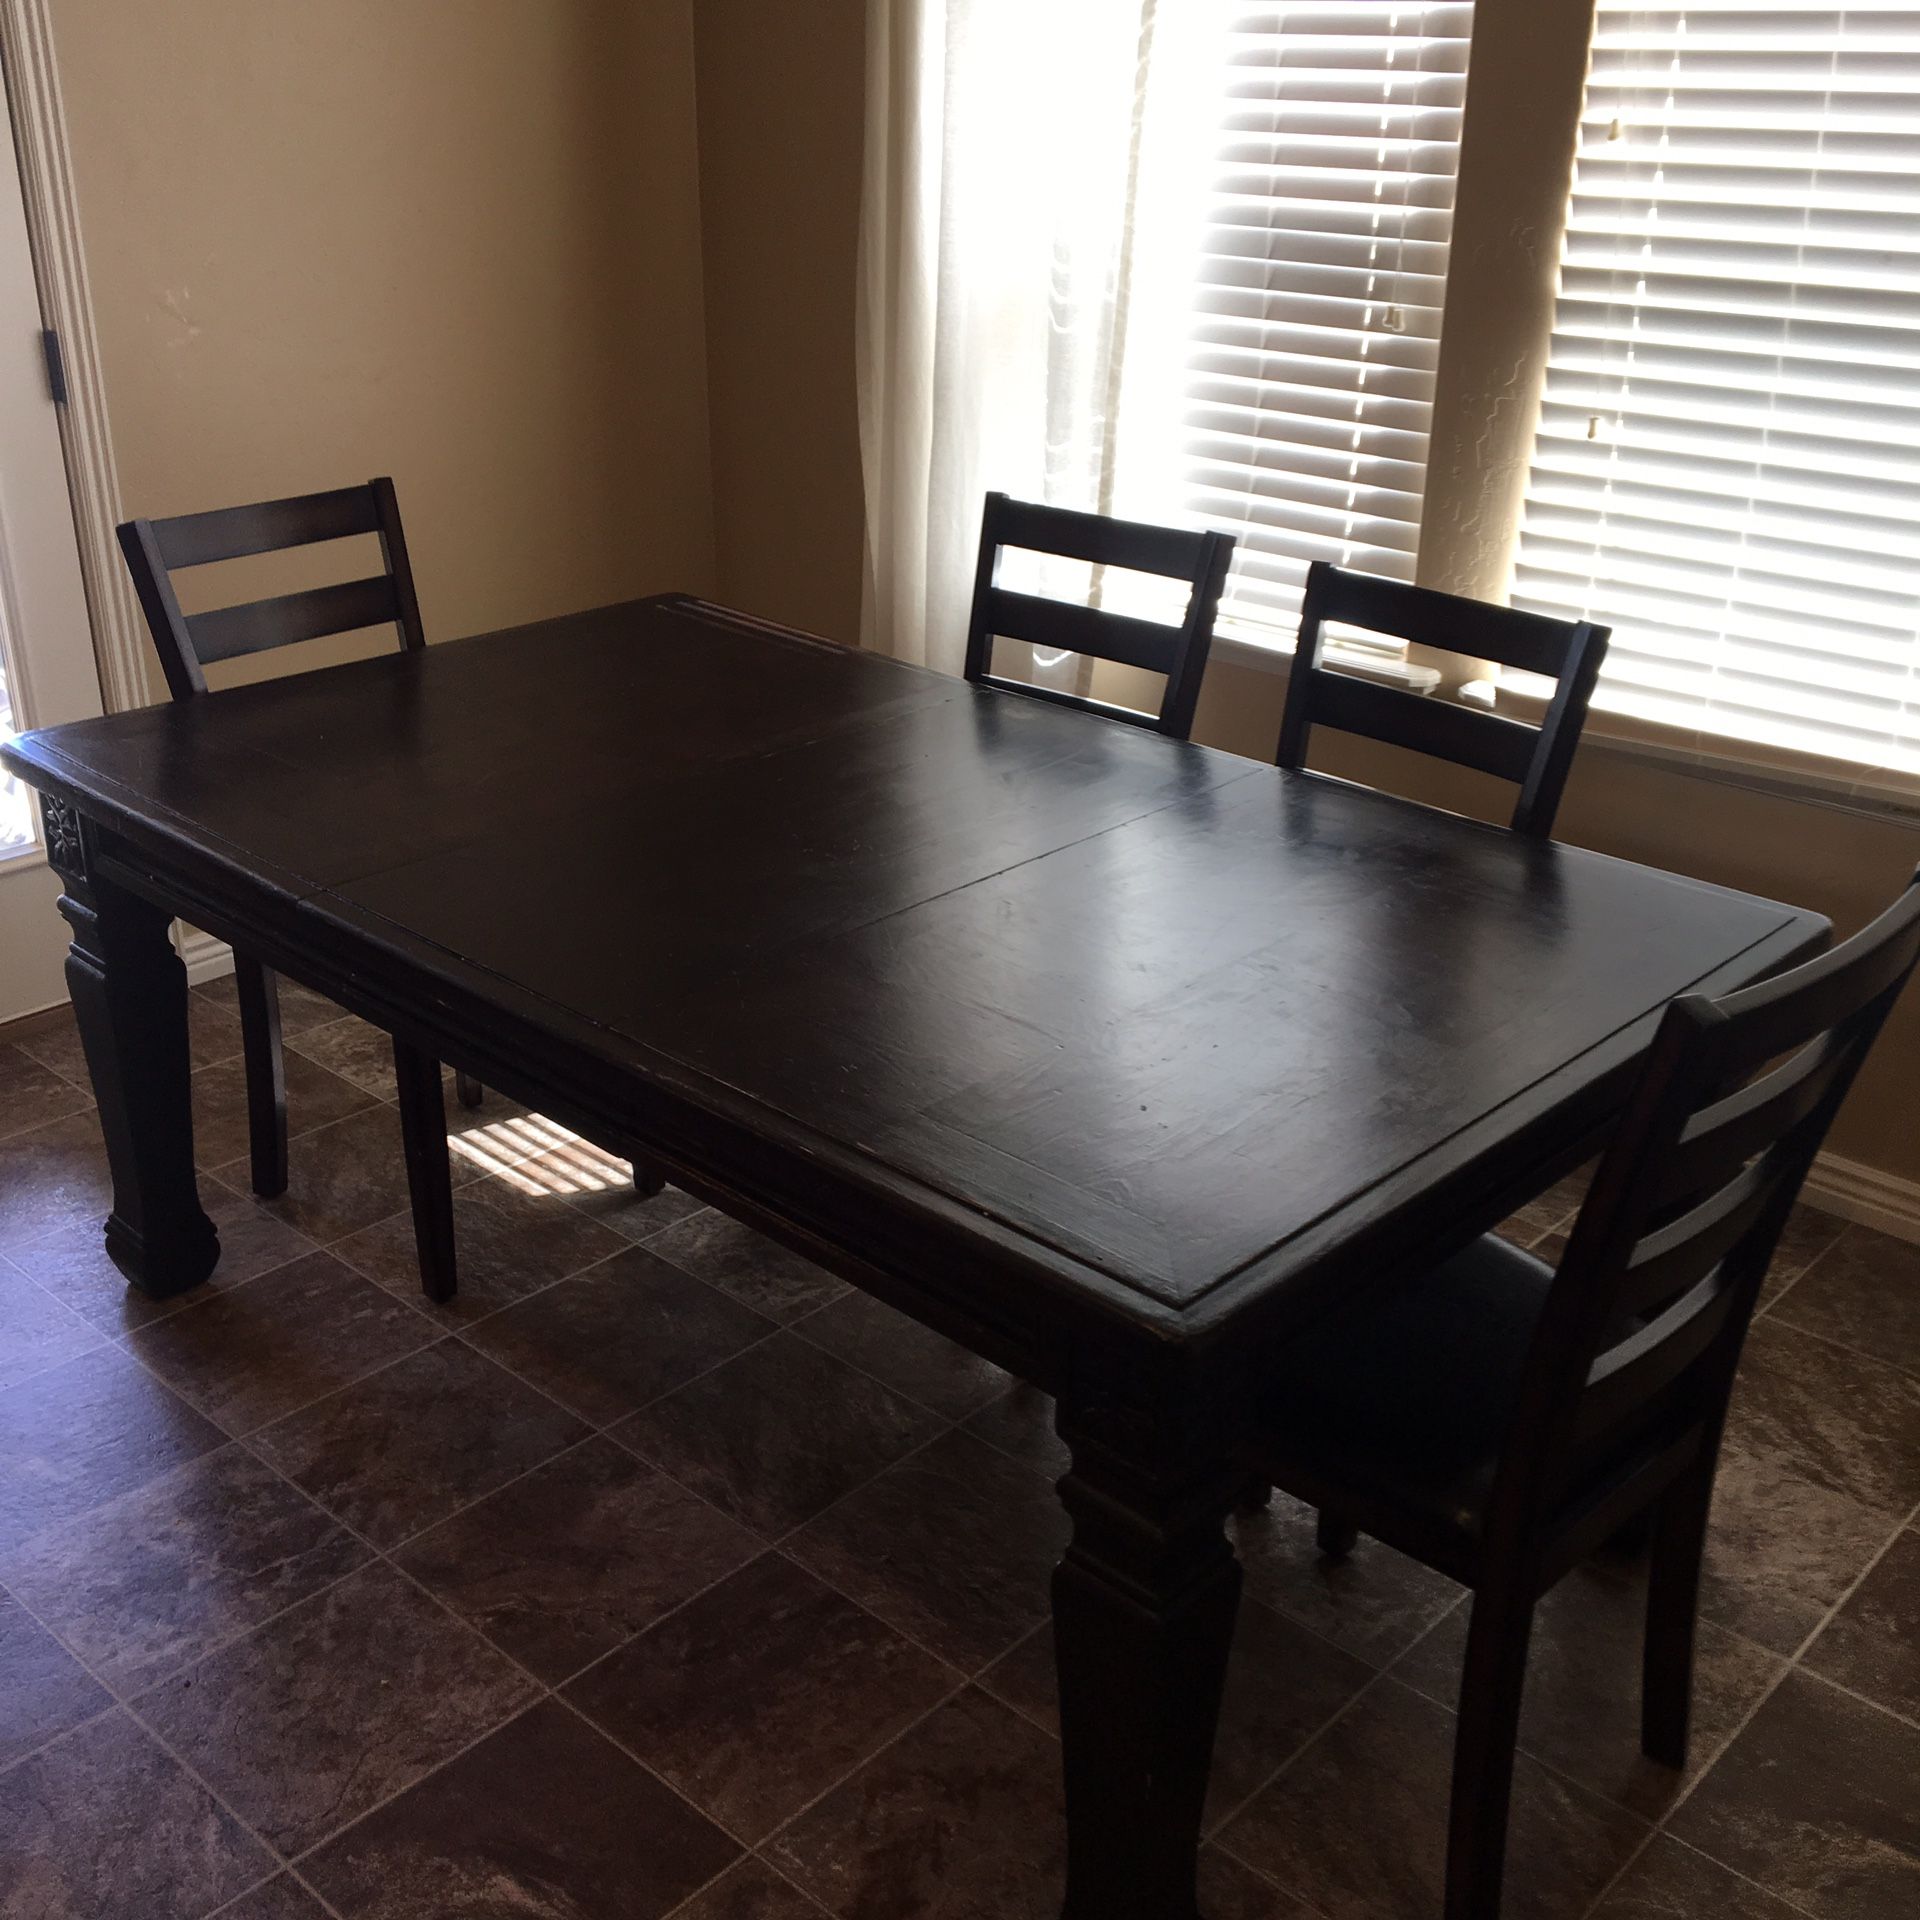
470 1632
1346 1706
79 1726
245 1440
1806 1646
810 1904
402 1214
384 1557
1747 1880
100 1338
122 1704
1790 1665
139 1721
774 1543
1771 1301
554 1692
118 1699
1827 1340
289 1864
1646 1845
1864 1699
953 1693
304 1406
706 1886
121 1695
439 1330
259 1886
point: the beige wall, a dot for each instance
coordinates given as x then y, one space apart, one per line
1529 58
455 243
781 104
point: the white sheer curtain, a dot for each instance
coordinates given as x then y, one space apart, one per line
1021 156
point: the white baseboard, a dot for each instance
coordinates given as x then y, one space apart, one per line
206 957
1865 1194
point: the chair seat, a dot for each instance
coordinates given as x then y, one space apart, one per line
1405 1408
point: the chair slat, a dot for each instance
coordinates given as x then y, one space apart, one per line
1786 1012
1633 1373
1531 642
1666 1262
1097 540
228 632
231 533
1720 1139
1119 637
1487 741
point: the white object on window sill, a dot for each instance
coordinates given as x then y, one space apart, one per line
1239 649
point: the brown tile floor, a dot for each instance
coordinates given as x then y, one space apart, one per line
614 1590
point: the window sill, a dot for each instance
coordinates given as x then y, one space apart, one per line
1802 778
1778 772
1774 772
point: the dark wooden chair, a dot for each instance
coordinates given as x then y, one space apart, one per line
1500 1420
155 550
1180 653
1537 758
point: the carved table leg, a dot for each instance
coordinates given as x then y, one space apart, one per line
1143 1610
129 993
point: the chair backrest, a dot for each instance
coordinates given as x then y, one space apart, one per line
1636 1352
1201 559
156 549
1567 651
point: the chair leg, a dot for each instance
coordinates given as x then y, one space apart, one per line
266 1075
1255 1496
1483 1749
1334 1534
1673 1599
423 1130
647 1180
469 1089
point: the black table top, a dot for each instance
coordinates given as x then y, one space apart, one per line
1174 1018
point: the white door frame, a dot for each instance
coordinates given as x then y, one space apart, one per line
53 230
39 128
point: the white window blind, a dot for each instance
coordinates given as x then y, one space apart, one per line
1316 323
1728 464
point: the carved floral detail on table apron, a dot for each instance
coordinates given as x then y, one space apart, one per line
66 843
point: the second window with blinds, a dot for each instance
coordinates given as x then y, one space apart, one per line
1285 281
1316 330
1728 461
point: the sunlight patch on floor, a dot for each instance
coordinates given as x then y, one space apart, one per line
539 1156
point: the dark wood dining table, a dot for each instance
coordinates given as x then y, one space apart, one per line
1116 1058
